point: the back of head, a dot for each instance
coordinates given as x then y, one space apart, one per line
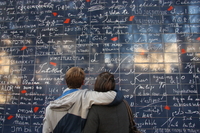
75 77
104 82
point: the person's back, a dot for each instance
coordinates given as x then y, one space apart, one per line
107 119
68 113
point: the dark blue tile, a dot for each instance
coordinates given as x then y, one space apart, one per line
16 51
192 9
155 38
173 89
2 110
173 100
194 28
84 39
11 109
140 38
193 18
153 28
187 78
25 99
187 67
169 38
125 79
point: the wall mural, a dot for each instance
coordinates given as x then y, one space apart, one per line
151 46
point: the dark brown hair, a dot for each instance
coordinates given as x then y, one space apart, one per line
74 77
104 82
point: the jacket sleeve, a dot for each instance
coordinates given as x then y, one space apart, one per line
92 122
103 98
47 128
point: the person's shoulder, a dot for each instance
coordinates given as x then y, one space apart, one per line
87 91
83 90
98 106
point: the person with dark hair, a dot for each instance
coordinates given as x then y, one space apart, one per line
107 119
68 113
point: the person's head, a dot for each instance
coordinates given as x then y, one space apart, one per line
104 82
75 77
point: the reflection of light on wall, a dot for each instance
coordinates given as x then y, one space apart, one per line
4 65
141 55
142 58
155 61
171 47
107 58
13 80
6 76
4 69
2 99
171 56
6 41
3 53
67 48
197 54
157 67
38 76
59 48
16 42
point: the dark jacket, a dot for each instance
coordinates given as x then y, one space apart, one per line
107 119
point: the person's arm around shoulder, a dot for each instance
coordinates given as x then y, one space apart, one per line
104 98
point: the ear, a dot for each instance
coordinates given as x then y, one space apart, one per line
83 83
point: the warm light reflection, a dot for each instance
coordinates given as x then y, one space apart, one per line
171 57
6 76
4 65
197 55
142 58
171 48
6 41
158 62
2 99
